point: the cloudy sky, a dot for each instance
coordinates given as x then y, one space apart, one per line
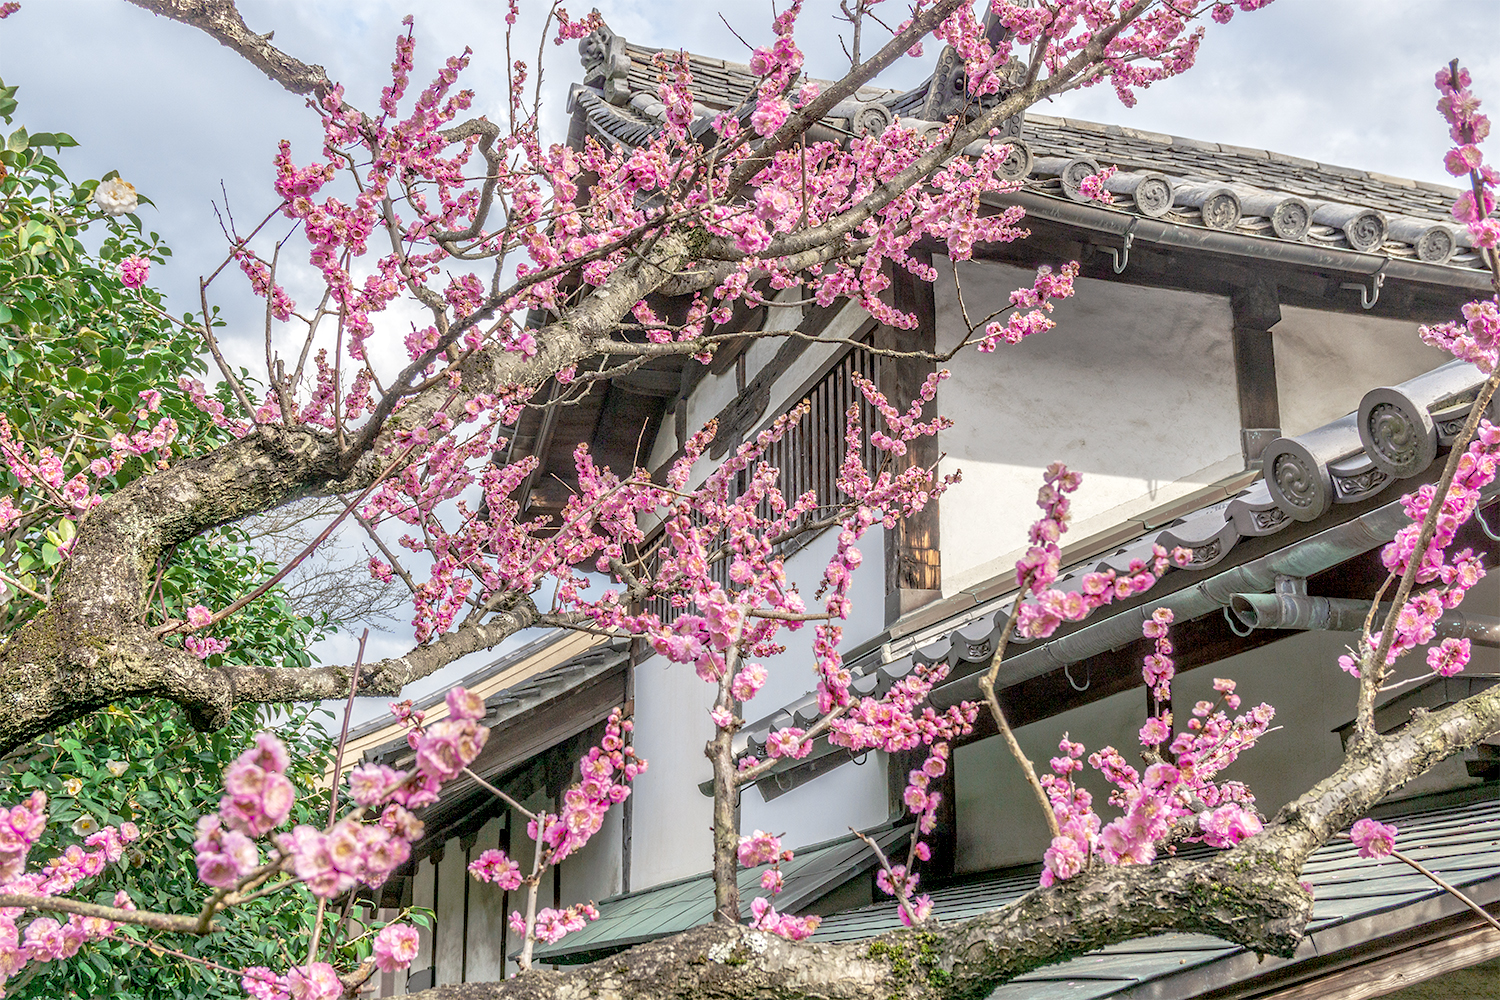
1347 82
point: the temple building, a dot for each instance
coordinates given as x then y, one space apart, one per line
1238 374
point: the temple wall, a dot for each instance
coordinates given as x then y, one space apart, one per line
1326 362
1134 388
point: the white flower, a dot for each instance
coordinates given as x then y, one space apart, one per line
116 197
72 785
116 767
85 825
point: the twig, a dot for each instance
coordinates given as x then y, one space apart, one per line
1448 888
333 790
501 795
886 864
311 547
987 687
213 348
1372 669
175 923
21 587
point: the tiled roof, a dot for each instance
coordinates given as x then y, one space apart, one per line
1253 192
1461 844
632 918
1395 434
549 650
513 701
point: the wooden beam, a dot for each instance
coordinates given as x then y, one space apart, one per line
1256 310
1384 976
913 563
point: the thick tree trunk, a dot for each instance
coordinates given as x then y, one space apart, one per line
88 646
1250 895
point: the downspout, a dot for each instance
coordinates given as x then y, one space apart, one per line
1299 560
1336 614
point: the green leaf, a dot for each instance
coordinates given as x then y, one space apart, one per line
18 140
76 378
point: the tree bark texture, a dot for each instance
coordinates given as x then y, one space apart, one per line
88 647
1249 895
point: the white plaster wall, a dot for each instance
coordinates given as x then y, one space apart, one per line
423 883
593 872
671 820
485 958
824 808
849 796
449 950
1134 388
792 674
1326 362
1000 822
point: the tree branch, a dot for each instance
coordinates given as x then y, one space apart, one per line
221 21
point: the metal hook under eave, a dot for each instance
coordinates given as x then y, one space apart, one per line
1367 296
1088 677
1122 257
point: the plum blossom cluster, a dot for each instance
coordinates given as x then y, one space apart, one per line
761 848
1094 186
46 939
1038 568
55 491
778 67
198 395
1451 573
312 981
1373 838
258 272
764 917
364 846
1477 338
395 948
606 772
1176 797
1153 44
901 880
552 925
735 514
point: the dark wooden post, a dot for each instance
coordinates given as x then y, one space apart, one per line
943 840
913 568
1256 309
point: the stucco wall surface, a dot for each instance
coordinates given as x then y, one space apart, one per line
1134 388
1326 362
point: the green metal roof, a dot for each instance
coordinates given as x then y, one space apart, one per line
1355 900
672 907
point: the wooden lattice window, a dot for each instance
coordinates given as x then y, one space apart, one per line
812 452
